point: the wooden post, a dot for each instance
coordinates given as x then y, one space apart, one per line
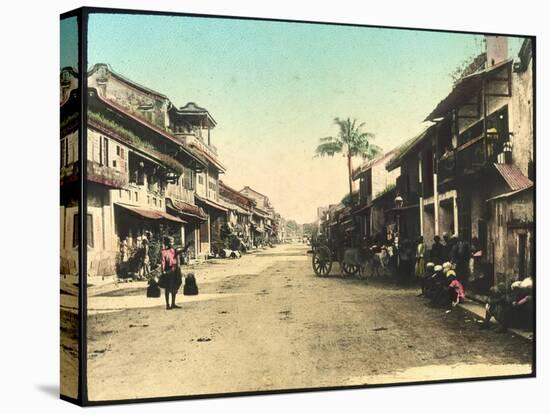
436 195
421 192
484 98
455 215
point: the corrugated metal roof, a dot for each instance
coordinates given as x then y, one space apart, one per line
513 176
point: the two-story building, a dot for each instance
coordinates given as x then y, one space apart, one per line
376 186
192 126
142 172
478 147
239 216
263 216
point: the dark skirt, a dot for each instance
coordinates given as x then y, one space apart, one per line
170 280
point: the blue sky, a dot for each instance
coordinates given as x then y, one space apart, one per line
69 42
274 88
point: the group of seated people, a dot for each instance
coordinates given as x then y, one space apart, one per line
441 285
511 306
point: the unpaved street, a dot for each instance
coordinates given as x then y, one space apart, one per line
278 326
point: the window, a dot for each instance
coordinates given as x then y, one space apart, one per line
118 151
114 163
104 151
188 179
136 194
201 179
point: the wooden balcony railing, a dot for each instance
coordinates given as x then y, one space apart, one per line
107 176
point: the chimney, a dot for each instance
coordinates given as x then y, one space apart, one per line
496 49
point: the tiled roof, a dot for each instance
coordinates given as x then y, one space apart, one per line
513 176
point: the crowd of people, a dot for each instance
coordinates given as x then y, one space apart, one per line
444 272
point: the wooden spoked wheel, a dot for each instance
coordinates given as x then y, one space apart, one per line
349 269
322 261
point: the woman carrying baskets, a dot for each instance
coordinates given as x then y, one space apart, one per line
170 278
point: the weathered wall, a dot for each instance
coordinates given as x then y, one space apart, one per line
521 118
148 106
510 218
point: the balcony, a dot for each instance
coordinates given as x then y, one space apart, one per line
468 159
104 175
191 140
476 154
140 195
179 193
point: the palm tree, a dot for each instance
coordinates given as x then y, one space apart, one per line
351 141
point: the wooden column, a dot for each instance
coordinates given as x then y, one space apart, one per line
421 192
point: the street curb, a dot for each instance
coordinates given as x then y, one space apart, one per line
522 334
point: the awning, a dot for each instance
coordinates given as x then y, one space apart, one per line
404 208
185 209
150 214
513 176
257 213
509 194
210 203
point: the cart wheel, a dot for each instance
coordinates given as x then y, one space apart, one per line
349 270
322 261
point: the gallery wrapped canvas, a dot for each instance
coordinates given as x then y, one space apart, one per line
254 206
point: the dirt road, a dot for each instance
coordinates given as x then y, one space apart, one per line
278 326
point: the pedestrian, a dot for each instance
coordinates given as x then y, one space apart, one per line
437 251
419 267
461 259
447 245
405 260
170 277
425 280
456 289
437 287
144 267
